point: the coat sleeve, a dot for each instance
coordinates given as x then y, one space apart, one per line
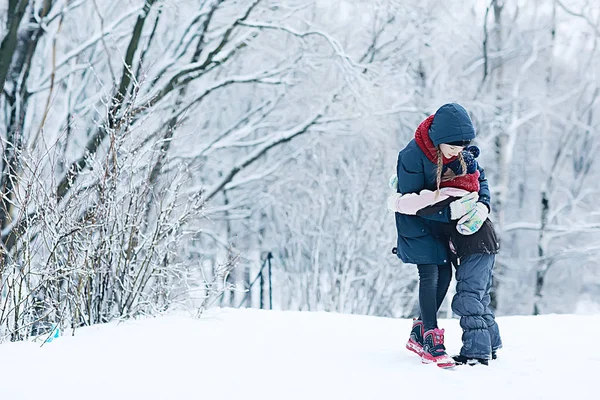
436 207
484 190
411 179
410 203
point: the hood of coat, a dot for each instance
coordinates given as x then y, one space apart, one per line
451 124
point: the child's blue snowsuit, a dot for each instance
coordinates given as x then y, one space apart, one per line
472 303
474 261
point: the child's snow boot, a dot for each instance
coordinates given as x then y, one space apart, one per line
434 350
415 341
462 360
495 352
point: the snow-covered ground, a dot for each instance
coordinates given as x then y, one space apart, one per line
251 354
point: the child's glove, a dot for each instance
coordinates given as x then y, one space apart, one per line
472 222
393 182
463 206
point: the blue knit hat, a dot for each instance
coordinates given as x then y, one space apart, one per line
469 156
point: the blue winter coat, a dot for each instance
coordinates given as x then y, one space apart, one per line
420 239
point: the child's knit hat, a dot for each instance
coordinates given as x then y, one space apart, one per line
469 155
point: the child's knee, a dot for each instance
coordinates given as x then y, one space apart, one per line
464 304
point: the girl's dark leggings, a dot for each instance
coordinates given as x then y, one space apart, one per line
434 281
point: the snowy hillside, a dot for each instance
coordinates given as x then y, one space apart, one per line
250 354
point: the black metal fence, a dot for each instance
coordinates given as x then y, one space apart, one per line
260 277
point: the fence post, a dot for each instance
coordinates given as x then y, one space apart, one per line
261 277
262 290
269 257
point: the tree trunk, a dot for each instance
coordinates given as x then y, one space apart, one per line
15 12
500 144
543 263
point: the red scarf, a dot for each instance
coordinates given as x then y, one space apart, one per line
468 182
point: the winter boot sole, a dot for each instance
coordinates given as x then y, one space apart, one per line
461 360
414 347
442 362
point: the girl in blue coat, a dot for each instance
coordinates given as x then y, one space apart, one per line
439 141
473 244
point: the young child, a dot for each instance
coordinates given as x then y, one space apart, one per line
473 243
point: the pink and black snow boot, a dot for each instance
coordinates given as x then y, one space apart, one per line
434 350
415 341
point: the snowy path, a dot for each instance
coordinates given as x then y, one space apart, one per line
250 354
